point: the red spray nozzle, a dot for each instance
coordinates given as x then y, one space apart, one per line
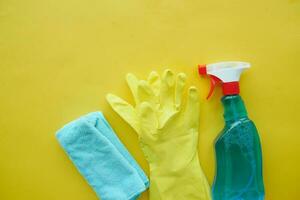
225 73
213 79
202 70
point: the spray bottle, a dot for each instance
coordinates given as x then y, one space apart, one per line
238 149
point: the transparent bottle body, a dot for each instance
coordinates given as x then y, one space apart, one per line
238 156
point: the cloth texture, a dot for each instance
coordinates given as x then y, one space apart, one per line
102 159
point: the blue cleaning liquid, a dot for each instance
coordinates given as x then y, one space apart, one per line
238 155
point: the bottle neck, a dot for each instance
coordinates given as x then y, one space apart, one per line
234 108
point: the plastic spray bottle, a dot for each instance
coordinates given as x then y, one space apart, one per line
238 149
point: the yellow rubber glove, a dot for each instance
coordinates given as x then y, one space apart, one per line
168 135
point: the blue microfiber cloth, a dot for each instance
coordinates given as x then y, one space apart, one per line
102 159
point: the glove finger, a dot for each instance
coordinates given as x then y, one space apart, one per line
124 109
145 93
133 82
180 83
167 89
154 82
191 115
147 121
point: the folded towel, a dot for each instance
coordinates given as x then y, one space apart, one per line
102 159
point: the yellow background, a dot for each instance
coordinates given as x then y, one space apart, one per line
58 59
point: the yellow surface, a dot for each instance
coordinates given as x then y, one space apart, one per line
58 59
